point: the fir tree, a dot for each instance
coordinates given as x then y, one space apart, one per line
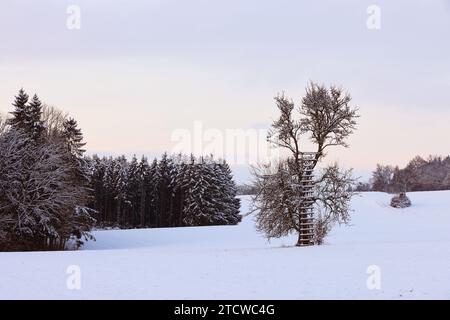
152 189
20 114
133 190
27 116
35 124
143 172
229 203
73 138
164 192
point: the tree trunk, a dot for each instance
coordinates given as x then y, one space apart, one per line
142 207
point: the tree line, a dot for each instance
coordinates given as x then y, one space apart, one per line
172 192
51 194
420 174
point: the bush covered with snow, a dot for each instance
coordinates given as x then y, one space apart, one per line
400 201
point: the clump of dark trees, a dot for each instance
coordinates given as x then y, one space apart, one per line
51 194
325 117
172 192
43 186
419 175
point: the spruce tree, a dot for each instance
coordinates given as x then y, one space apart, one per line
27 116
96 169
151 182
164 192
144 203
121 178
133 190
21 111
73 141
35 124
201 195
179 191
73 138
229 203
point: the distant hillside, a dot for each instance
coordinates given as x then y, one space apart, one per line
419 175
433 174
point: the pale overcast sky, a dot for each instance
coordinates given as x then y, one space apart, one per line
138 70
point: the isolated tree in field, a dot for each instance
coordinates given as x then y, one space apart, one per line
287 189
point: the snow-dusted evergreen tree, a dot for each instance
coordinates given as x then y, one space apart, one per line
164 193
96 169
120 176
73 138
179 189
151 186
209 194
36 125
229 203
20 115
133 190
195 206
27 116
144 197
37 196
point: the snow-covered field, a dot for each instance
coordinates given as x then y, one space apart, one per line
411 248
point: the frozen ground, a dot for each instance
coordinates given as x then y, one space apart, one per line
411 247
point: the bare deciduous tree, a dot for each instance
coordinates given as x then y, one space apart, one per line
333 191
54 120
326 117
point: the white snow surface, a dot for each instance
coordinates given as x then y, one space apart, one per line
410 246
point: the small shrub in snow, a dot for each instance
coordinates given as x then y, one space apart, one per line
400 201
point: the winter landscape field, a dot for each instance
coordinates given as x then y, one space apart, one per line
407 249
202 152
